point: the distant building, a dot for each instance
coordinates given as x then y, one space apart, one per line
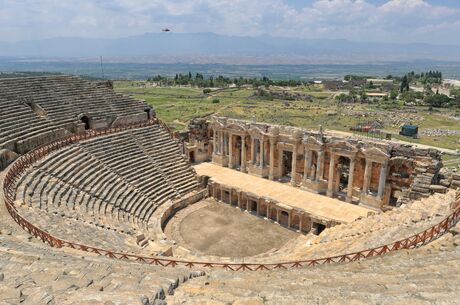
383 84
343 85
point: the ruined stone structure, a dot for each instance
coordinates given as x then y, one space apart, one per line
95 177
38 110
373 174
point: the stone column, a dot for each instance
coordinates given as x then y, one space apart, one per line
222 143
319 166
268 209
230 151
294 164
307 165
330 182
277 215
243 153
253 150
222 194
280 162
272 160
289 219
300 222
262 153
258 207
367 176
350 180
383 176
338 174
238 194
215 142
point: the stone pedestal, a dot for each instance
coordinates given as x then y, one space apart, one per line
258 171
319 187
220 160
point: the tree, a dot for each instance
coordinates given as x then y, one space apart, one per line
394 94
363 96
438 100
404 84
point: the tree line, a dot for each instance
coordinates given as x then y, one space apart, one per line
199 80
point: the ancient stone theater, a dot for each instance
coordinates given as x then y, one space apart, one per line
102 203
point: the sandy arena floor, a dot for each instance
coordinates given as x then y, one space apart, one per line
221 230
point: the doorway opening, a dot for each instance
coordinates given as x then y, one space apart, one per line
344 173
191 157
287 164
85 120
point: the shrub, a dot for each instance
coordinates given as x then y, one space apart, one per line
216 101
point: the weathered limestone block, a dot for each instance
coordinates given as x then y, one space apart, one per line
419 189
6 157
43 138
444 182
438 188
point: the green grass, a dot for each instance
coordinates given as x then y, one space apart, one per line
177 105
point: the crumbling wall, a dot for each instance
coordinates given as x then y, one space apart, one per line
424 166
199 129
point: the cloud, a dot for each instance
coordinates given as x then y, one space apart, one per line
394 20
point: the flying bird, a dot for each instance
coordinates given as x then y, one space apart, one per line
166 30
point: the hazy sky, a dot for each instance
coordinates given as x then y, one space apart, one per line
436 21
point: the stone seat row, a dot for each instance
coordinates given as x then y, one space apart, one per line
19 123
422 276
33 273
111 176
366 233
102 196
68 92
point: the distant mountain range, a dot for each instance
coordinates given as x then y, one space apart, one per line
214 48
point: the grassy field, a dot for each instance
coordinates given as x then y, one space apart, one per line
177 105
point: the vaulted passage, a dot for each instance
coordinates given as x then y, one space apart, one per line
86 121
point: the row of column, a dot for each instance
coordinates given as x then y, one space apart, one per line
215 191
313 173
223 144
367 178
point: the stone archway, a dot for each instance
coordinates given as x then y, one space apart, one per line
85 119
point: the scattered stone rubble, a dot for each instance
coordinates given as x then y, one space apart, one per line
439 132
282 95
427 164
449 179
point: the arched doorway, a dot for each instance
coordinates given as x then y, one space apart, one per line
284 219
191 156
149 116
86 121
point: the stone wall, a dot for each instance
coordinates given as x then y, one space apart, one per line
397 173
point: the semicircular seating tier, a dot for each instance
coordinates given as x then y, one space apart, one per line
38 110
122 177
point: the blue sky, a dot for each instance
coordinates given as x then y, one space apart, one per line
359 20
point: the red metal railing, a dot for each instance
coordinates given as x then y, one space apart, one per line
25 161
